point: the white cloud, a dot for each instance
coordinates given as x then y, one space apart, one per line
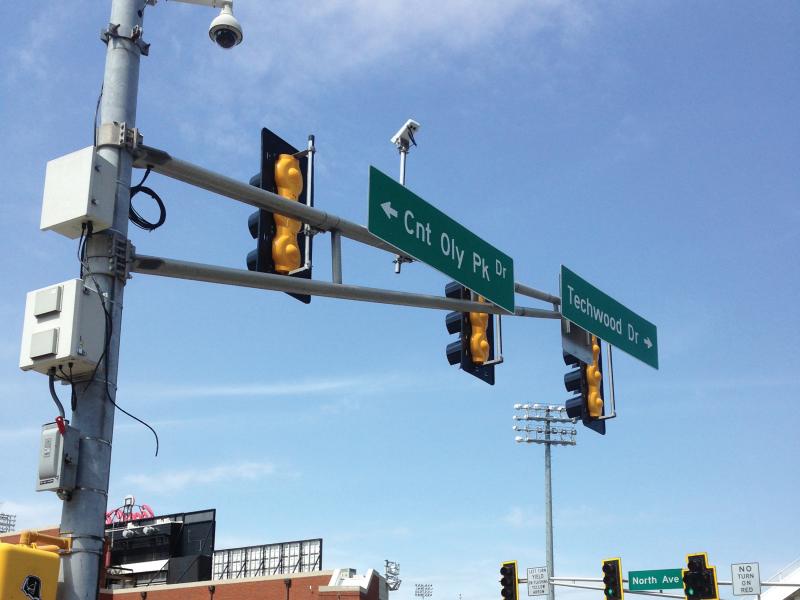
302 388
346 37
370 384
32 58
176 480
316 49
34 515
520 518
17 435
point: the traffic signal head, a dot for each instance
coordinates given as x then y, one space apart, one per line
508 580
586 381
281 244
612 579
699 580
475 344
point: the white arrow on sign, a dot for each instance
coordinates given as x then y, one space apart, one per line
387 208
648 343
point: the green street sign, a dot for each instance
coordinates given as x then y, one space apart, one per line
600 314
406 221
662 579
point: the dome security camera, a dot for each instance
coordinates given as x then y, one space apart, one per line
225 30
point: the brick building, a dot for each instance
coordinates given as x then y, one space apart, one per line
286 579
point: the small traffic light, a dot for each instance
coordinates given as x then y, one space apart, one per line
475 345
280 241
508 580
699 580
612 579
587 382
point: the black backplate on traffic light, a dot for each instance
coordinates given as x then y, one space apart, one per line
508 580
482 372
262 223
612 579
699 578
577 351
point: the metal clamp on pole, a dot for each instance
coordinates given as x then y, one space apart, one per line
120 253
119 135
134 35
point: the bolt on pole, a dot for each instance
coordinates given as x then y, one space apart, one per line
83 516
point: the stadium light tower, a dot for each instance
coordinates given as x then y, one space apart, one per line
542 432
393 580
7 522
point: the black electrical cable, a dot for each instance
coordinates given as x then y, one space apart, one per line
52 377
138 219
109 325
74 396
86 229
104 355
96 113
68 377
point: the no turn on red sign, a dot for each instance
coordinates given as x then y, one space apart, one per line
746 579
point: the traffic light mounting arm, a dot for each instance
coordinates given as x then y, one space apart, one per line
610 371
161 162
309 191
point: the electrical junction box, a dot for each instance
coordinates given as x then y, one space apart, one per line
58 459
78 188
27 572
64 328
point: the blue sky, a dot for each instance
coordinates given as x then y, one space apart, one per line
650 147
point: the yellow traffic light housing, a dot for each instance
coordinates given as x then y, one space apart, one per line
283 245
479 345
474 350
583 352
594 382
285 249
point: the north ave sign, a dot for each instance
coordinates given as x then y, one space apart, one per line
407 222
661 579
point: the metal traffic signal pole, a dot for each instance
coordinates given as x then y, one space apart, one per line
542 432
83 516
548 506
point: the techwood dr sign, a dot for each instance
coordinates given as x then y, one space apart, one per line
598 313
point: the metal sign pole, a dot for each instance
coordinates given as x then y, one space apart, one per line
403 147
83 515
548 503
